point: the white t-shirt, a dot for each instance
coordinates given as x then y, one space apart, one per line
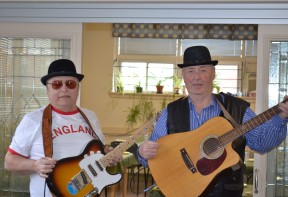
70 134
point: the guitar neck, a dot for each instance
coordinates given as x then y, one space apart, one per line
249 125
121 148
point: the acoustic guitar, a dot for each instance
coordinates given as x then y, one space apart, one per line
85 174
187 163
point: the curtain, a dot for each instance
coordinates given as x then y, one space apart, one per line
186 31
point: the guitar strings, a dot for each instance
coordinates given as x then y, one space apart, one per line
238 131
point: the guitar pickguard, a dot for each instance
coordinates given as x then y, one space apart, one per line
100 178
207 166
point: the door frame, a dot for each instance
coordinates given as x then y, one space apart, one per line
266 34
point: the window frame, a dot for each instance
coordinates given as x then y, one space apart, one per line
175 59
147 59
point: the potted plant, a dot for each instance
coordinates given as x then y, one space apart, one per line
216 86
139 88
159 86
177 84
119 86
141 111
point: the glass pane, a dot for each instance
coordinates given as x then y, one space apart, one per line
23 61
277 176
250 47
160 74
133 74
229 78
147 75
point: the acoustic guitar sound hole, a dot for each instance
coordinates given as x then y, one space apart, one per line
212 148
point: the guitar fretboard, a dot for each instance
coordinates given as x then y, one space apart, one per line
249 125
118 151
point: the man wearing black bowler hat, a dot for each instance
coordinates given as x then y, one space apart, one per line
189 113
68 127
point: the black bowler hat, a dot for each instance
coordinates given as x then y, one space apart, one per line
61 67
197 55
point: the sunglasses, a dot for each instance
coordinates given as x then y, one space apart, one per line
57 84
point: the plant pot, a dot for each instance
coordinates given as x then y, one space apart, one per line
176 90
159 89
139 89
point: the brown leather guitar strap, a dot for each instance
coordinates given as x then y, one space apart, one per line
234 124
89 124
227 115
46 131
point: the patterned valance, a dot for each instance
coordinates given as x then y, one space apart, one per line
186 31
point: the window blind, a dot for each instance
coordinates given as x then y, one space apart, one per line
147 46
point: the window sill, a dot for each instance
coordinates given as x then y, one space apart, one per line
148 95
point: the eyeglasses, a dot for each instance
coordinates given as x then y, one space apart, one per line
57 84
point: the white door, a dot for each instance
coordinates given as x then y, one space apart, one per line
271 170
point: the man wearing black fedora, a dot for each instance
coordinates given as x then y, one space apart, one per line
54 132
190 160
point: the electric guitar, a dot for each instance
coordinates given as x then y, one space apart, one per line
85 174
188 163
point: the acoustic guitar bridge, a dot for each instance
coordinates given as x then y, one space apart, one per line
188 161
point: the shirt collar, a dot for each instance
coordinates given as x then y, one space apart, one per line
213 104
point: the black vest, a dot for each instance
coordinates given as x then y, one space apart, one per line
178 120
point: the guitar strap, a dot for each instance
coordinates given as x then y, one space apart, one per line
46 130
233 122
226 114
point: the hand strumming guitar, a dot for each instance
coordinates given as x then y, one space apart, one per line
284 108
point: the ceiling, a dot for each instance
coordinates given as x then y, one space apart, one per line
216 12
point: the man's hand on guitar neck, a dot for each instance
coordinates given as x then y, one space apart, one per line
148 149
284 108
115 159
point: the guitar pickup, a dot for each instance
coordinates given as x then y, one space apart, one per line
188 161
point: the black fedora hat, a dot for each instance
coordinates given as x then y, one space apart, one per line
197 55
61 67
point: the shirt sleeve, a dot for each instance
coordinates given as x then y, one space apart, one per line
23 138
266 136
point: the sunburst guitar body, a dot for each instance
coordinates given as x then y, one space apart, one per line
85 175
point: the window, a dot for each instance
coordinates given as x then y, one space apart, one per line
228 77
146 75
143 61
23 61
